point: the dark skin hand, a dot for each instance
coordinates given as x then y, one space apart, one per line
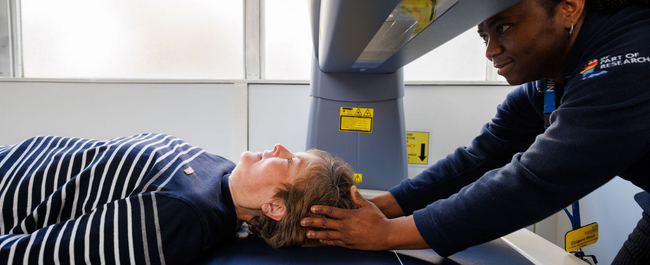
365 228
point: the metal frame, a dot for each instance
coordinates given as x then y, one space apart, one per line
17 39
5 40
252 41
10 39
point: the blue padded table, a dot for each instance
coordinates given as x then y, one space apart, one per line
253 250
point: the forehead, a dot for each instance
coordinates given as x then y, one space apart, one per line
521 10
300 165
304 159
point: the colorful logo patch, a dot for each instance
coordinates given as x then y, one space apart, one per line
589 72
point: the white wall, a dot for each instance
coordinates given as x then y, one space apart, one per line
278 114
613 207
201 114
453 114
227 119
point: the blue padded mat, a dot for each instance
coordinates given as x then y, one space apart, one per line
253 250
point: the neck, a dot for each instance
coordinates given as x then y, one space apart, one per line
243 213
557 77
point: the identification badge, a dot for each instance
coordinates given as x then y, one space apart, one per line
581 237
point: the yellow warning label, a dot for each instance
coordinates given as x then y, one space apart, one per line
356 119
581 237
417 147
358 178
424 12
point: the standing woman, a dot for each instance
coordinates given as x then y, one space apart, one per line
516 171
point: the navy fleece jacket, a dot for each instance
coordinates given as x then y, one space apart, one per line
515 173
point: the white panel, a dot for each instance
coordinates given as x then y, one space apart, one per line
278 114
240 120
201 114
453 114
616 212
198 39
288 44
460 59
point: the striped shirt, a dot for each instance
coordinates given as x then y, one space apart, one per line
144 199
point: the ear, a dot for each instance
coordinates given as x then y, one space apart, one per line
571 10
274 210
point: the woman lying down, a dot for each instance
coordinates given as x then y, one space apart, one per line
153 199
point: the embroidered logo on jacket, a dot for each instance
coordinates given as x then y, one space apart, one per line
609 61
588 72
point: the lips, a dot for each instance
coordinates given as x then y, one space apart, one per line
503 67
501 64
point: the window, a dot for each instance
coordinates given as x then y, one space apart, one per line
288 43
460 59
197 39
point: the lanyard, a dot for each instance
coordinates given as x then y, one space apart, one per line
549 102
549 107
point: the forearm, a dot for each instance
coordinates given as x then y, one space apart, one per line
388 205
512 130
403 234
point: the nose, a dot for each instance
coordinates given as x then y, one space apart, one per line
493 48
281 151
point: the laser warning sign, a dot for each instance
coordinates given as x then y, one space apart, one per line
353 119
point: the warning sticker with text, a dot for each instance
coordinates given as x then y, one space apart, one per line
417 147
353 119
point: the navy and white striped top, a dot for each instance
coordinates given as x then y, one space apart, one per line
125 200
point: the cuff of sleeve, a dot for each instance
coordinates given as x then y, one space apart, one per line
401 195
433 235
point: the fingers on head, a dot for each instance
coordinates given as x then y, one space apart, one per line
337 243
323 222
325 235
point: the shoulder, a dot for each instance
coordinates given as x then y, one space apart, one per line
524 95
613 51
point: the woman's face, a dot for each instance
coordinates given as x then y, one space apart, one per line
525 44
262 174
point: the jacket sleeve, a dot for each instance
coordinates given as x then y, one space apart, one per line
141 229
599 131
512 130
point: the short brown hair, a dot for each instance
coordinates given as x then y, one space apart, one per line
326 181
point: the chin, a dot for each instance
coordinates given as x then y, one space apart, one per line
514 80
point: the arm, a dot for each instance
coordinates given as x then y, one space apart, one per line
136 230
80 222
600 131
387 205
513 129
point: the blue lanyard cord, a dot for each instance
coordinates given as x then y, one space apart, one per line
549 102
549 107
575 218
